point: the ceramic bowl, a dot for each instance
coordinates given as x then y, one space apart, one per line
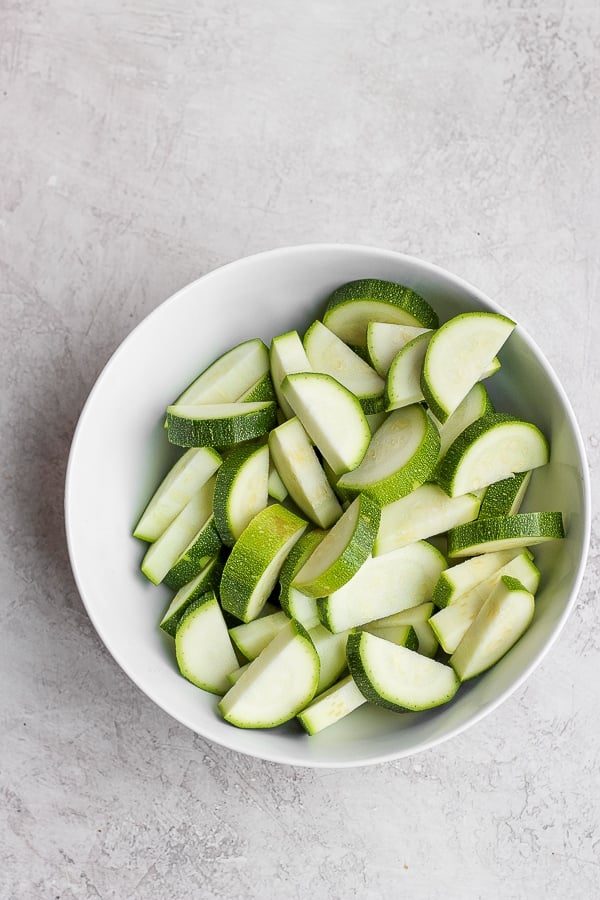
120 452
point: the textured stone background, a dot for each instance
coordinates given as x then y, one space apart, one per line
142 144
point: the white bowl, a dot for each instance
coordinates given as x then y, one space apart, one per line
120 452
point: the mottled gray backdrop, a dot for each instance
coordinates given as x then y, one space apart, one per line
143 144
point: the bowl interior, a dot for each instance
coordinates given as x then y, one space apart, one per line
120 453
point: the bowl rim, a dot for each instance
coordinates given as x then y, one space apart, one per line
486 708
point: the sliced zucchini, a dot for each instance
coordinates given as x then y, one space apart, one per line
163 554
332 705
341 553
397 678
504 533
297 605
204 651
241 490
502 620
417 617
426 511
205 544
504 498
383 585
187 476
207 579
403 635
402 454
330 355
331 415
461 578
451 623
302 474
403 382
287 356
385 340
219 425
457 354
228 377
255 561
276 488
491 449
251 638
280 682
476 404
331 649
353 305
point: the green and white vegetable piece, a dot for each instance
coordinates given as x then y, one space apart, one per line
403 383
332 417
287 356
276 488
463 577
204 651
219 425
228 377
331 706
504 498
251 638
395 677
489 450
383 585
241 490
302 473
330 355
353 305
261 390
502 620
342 552
331 649
458 353
280 682
207 579
185 478
504 533
385 340
452 622
476 404
164 553
402 455
424 512
417 617
254 564
293 602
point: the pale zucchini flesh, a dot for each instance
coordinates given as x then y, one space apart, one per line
332 705
219 425
185 478
287 356
279 683
461 578
251 638
401 455
332 417
207 579
457 355
423 513
397 678
451 623
382 586
302 474
403 382
489 450
340 555
385 340
229 376
500 623
204 651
